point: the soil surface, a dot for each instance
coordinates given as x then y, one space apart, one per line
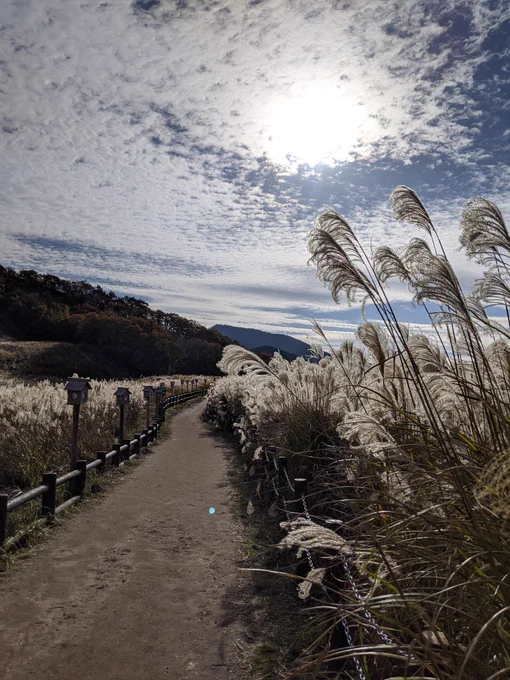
141 585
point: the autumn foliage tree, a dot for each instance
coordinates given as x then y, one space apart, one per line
45 307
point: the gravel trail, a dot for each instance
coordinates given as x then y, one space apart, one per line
141 585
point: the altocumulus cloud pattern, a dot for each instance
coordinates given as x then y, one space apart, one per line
179 150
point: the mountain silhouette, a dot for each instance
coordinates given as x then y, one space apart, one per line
253 339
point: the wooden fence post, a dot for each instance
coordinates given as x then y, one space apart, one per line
4 499
122 420
74 440
138 445
81 481
126 453
116 457
102 457
49 497
300 487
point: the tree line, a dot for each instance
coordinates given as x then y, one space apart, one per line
145 341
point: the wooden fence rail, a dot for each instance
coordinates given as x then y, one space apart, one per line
77 478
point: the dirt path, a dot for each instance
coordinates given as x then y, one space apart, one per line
140 586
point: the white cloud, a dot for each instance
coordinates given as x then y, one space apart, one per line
137 132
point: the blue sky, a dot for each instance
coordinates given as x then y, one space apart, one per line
179 150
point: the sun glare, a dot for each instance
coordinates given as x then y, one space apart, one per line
318 124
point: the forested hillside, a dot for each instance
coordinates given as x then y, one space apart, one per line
123 330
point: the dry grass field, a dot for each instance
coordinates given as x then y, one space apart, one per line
37 422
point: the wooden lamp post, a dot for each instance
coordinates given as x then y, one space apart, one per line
148 392
77 394
122 394
160 394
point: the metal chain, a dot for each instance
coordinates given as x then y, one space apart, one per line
367 614
357 662
307 552
305 507
309 557
348 636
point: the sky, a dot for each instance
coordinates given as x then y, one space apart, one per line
180 150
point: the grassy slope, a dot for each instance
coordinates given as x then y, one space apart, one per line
56 360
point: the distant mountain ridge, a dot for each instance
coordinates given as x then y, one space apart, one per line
251 338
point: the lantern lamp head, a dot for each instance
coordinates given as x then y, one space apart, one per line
77 391
122 394
148 391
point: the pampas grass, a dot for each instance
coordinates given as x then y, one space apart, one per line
405 437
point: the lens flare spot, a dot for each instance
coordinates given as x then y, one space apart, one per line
212 511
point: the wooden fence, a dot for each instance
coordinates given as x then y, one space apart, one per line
77 478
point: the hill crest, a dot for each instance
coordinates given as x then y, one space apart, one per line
252 338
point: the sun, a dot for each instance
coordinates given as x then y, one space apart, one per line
316 124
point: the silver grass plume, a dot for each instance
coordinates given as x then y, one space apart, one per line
435 279
387 264
335 251
445 391
483 231
479 315
353 359
337 226
493 488
306 534
403 331
428 356
376 340
365 430
237 360
492 289
498 354
416 255
407 207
